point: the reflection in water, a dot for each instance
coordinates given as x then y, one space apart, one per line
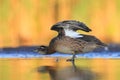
68 73
85 69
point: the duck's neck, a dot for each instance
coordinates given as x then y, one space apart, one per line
61 33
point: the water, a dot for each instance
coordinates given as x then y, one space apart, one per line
24 64
49 69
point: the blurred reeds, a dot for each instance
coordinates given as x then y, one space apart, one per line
28 22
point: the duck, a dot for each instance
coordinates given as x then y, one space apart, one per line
69 41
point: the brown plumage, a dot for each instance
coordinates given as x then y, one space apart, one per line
73 42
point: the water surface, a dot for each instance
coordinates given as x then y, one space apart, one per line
23 63
48 69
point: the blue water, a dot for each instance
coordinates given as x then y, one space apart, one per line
28 52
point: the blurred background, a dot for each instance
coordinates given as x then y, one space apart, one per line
28 22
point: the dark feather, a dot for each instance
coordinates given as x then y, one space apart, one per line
92 39
73 25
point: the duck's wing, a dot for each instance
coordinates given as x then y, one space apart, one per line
92 39
71 25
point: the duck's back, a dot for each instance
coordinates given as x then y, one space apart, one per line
91 39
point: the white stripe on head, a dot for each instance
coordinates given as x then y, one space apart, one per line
72 33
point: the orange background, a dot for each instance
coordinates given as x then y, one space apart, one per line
28 22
